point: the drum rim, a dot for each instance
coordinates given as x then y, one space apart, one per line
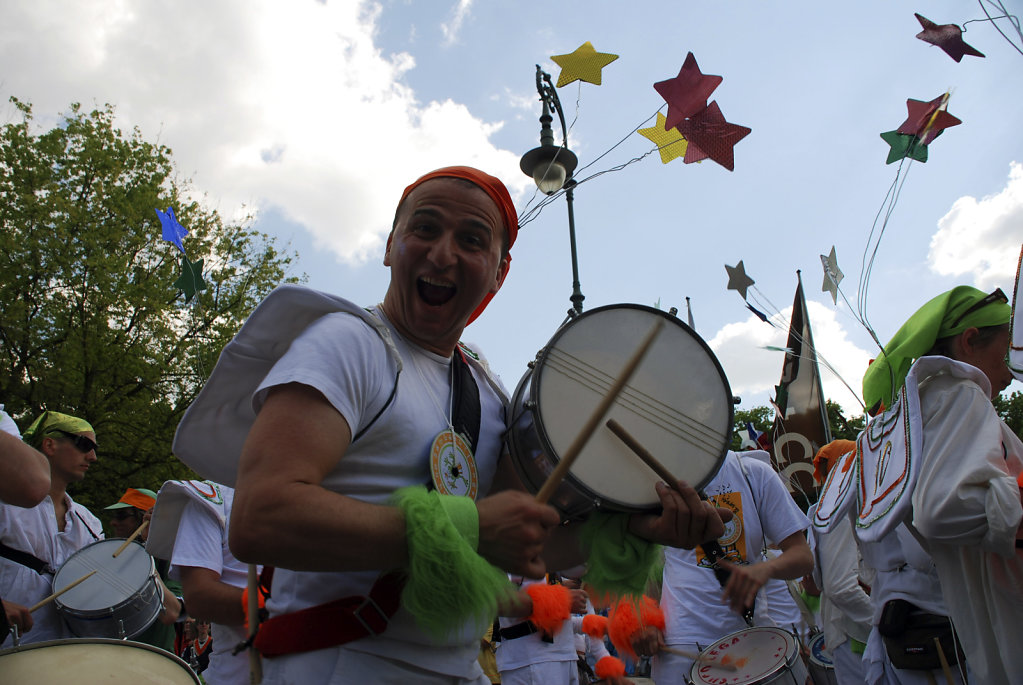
542 431
53 583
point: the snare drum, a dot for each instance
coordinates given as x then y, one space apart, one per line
677 405
761 655
820 663
120 600
94 661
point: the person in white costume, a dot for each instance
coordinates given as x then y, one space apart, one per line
335 411
35 542
696 609
190 528
934 492
845 605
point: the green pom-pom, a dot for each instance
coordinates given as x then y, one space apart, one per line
619 563
448 583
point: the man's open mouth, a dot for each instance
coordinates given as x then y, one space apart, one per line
434 292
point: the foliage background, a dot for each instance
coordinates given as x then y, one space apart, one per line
92 324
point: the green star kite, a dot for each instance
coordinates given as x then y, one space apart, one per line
190 281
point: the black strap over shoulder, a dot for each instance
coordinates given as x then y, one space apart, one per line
25 559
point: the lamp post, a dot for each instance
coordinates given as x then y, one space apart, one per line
551 167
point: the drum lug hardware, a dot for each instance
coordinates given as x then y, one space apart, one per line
120 629
529 404
531 364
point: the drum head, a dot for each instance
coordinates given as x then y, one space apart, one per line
116 578
677 405
94 662
818 655
757 653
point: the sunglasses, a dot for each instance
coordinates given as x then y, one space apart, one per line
996 296
81 443
124 513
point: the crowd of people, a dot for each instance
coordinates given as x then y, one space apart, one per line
335 425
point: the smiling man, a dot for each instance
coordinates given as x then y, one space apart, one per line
345 414
35 542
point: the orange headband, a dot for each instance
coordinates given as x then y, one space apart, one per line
493 187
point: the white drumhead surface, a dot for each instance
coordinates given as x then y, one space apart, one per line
115 580
676 405
756 653
93 662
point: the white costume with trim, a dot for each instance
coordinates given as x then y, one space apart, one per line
352 357
967 507
35 531
190 528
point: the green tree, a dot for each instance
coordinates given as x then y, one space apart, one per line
91 322
1011 410
841 427
762 419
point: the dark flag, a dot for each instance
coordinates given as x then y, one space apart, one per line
801 423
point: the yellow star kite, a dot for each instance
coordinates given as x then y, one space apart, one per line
582 65
670 144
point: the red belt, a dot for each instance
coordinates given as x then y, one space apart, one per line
334 623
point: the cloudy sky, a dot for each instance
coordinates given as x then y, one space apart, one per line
317 114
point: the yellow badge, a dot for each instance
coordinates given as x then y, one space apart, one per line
452 466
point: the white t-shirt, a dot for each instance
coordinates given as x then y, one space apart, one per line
201 542
690 594
346 360
7 424
35 531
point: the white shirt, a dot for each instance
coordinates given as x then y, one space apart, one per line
201 542
345 359
690 594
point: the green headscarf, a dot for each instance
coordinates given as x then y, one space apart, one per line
930 323
50 421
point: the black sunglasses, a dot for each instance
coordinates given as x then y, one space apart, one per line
81 443
996 296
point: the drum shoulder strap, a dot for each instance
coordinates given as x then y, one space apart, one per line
25 559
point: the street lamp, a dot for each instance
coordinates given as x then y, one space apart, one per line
551 167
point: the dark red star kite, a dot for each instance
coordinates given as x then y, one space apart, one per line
927 119
709 135
687 93
948 37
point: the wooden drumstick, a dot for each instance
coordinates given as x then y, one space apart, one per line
567 459
255 665
699 658
138 531
58 593
644 454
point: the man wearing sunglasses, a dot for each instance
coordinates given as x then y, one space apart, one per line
35 542
940 510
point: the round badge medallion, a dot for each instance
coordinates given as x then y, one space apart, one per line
452 466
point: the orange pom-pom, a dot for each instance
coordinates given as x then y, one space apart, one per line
623 622
552 606
609 667
650 614
595 625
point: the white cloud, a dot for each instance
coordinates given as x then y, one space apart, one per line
754 371
451 28
982 238
264 104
